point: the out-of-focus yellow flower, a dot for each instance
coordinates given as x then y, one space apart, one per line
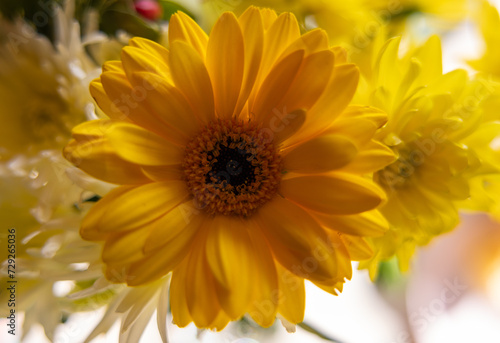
432 118
489 23
343 20
450 11
241 167
352 24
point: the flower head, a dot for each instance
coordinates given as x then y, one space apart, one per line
241 167
432 120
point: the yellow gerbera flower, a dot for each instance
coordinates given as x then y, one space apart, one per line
240 163
432 118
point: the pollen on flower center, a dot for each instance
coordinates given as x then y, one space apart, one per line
231 168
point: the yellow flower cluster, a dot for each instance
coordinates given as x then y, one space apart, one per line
224 170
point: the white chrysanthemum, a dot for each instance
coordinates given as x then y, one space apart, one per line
43 86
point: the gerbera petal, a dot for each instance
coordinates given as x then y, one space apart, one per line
92 153
140 205
109 107
225 63
165 101
282 32
191 76
130 101
370 223
374 156
162 261
182 28
98 159
338 93
141 146
359 249
164 173
201 294
89 228
116 66
124 247
184 219
229 252
310 81
312 41
220 321
140 60
331 104
276 85
178 303
297 240
252 28
293 296
334 194
264 307
269 16
321 154
160 52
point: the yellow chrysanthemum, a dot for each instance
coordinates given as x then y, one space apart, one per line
489 23
241 164
343 20
432 118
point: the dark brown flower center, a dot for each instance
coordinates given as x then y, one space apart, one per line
231 168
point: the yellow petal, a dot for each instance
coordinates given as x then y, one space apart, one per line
269 16
359 249
338 93
370 223
264 307
293 296
225 63
162 261
253 35
191 76
283 31
284 125
374 156
297 240
164 173
89 229
157 50
321 154
130 101
201 295
140 60
166 102
124 247
103 101
220 322
115 66
335 194
310 81
140 146
93 154
276 85
178 303
182 28
311 42
231 258
184 219
331 104
140 206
